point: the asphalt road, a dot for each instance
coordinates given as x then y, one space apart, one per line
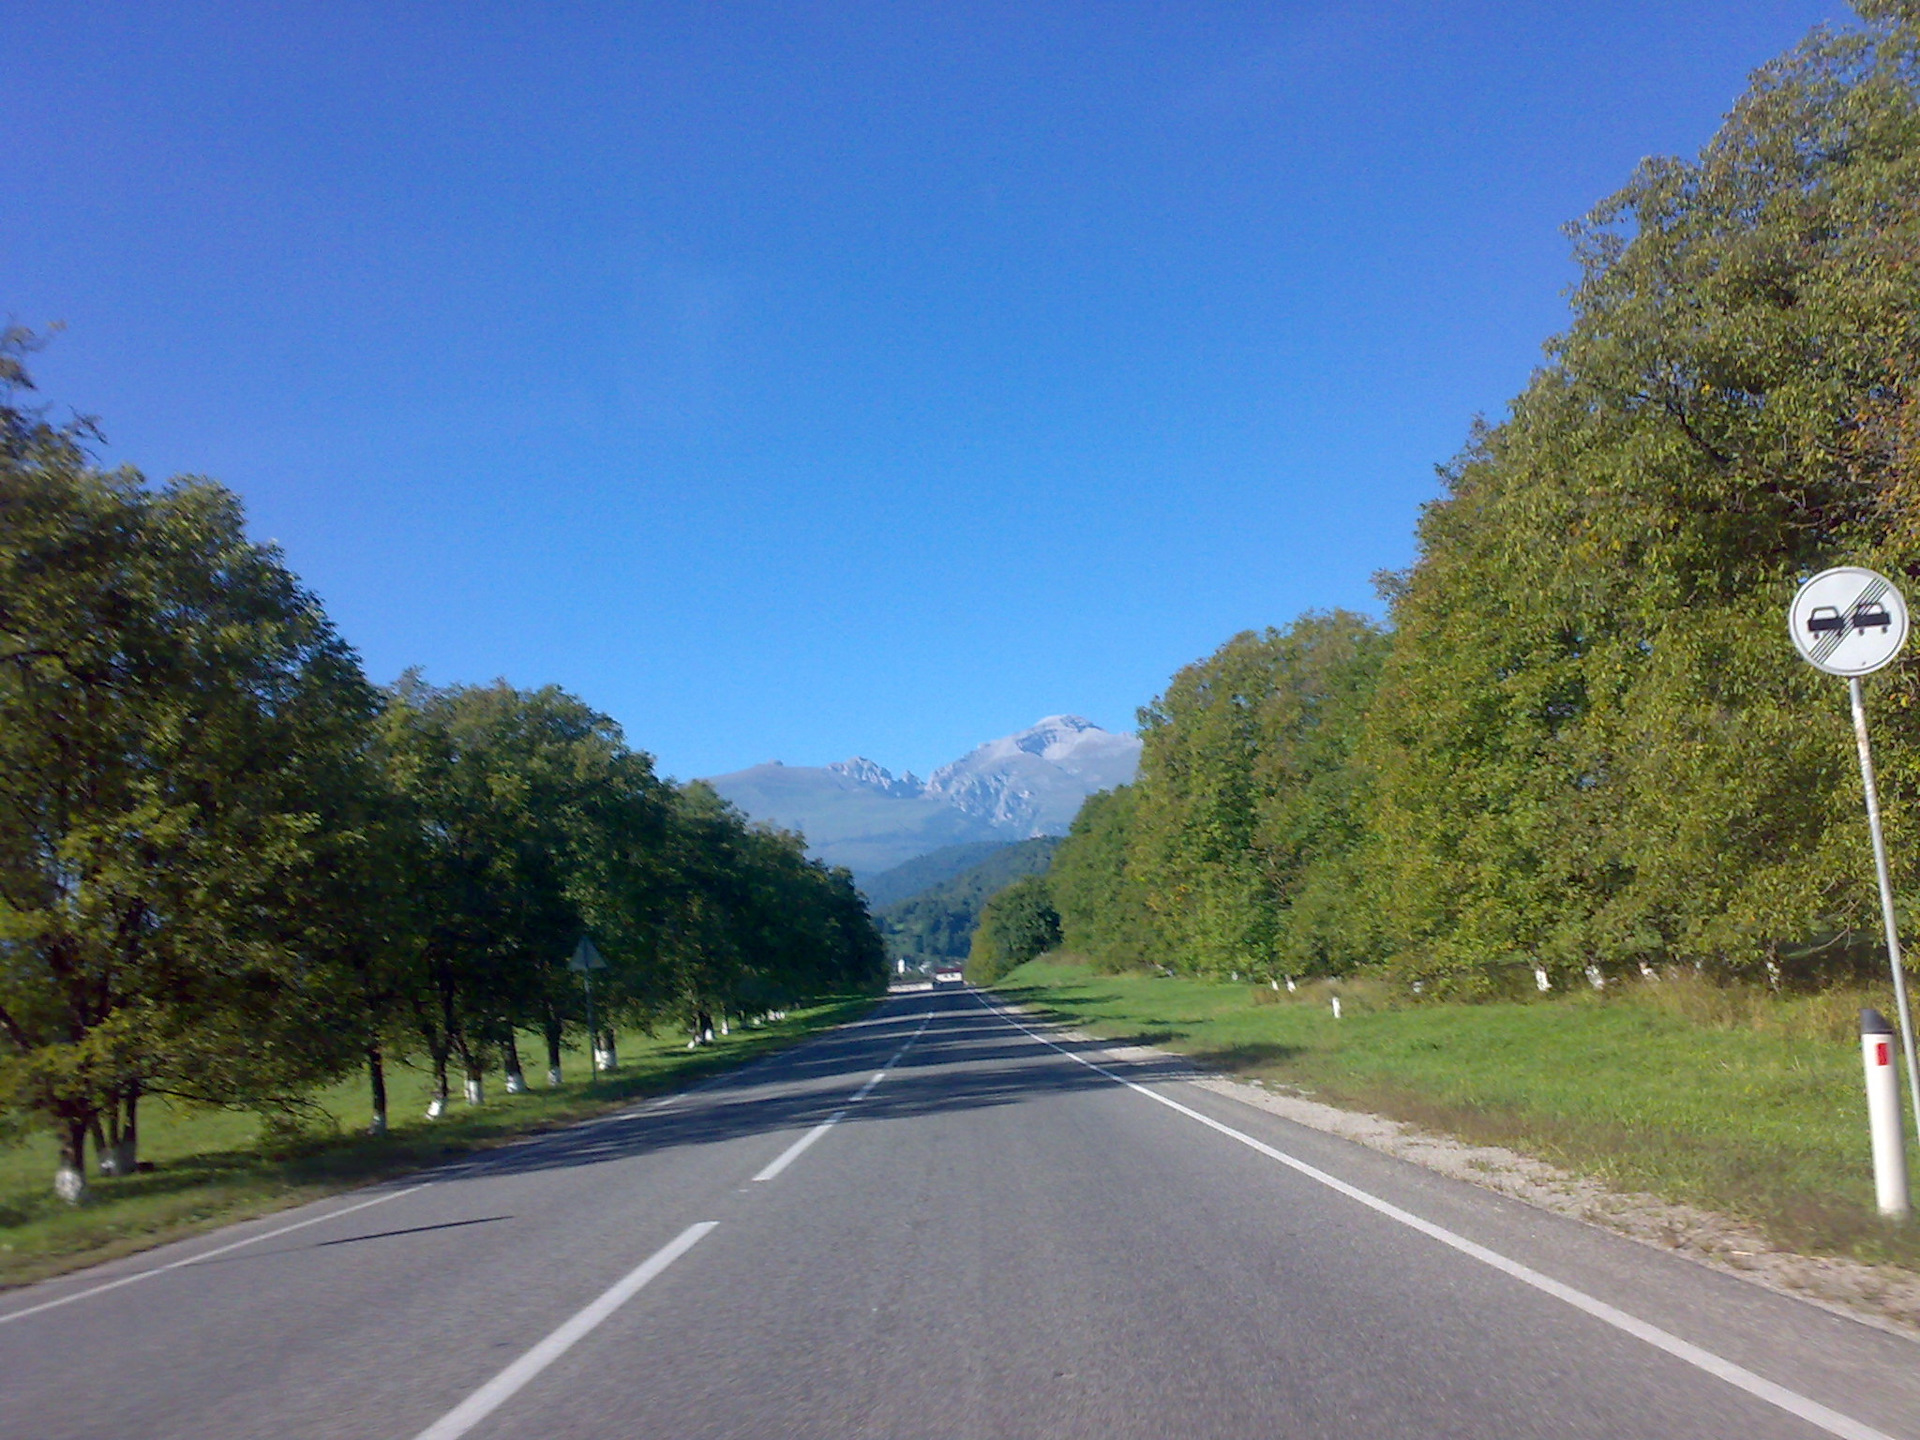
1002 1235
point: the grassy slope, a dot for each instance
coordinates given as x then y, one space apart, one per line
1750 1105
214 1167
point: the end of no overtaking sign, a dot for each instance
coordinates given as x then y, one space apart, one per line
1848 621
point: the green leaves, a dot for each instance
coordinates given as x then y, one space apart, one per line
1587 741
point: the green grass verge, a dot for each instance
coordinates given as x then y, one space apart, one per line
214 1167
1744 1103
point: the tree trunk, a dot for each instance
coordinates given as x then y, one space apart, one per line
126 1138
377 1083
437 1105
510 1056
553 1048
103 1157
70 1180
605 1057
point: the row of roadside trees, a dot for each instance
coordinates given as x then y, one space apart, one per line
232 870
1583 743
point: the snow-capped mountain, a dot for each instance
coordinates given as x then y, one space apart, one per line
1032 783
859 814
864 772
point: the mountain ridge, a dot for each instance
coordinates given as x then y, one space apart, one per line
858 813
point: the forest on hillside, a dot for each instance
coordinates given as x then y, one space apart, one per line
233 870
1582 742
935 926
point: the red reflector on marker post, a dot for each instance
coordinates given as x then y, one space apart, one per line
1883 1115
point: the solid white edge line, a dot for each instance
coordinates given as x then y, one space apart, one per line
101 1289
502 1388
793 1152
1738 1376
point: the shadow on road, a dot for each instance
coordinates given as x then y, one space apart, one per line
966 1058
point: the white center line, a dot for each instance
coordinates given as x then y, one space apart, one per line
799 1147
794 1151
1738 1376
497 1391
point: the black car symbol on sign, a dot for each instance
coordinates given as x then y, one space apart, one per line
1871 614
1826 619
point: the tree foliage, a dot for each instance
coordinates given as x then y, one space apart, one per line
177 721
231 869
1585 742
1017 924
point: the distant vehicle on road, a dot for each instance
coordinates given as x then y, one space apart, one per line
948 975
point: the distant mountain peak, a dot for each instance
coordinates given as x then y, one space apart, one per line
863 771
1021 782
860 814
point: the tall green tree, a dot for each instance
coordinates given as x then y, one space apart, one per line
1249 803
1592 746
1016 926
532 824
176 715
1103 907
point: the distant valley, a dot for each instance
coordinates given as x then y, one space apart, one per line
858 814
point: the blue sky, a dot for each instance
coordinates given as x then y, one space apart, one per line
801 380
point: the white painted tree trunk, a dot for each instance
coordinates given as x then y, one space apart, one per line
377 1126
122 1157
1540 980
516 1083
1336 1007
553 1077
436 1107
476 1091
1596 978
70 1184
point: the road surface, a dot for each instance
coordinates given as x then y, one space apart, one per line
942 1221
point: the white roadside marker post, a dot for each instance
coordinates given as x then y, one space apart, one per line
1849 621
1883 1115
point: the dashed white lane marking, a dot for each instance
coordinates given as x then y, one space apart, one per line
799 1147
101 1289
1738 1376
497 1391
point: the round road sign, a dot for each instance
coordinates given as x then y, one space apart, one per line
1848 621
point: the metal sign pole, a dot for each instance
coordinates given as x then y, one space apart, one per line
593 1032
1851 621
1887 920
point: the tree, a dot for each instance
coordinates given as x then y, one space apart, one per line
1249 803
1016 926
1591 746
1103 908
532 824
176 714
